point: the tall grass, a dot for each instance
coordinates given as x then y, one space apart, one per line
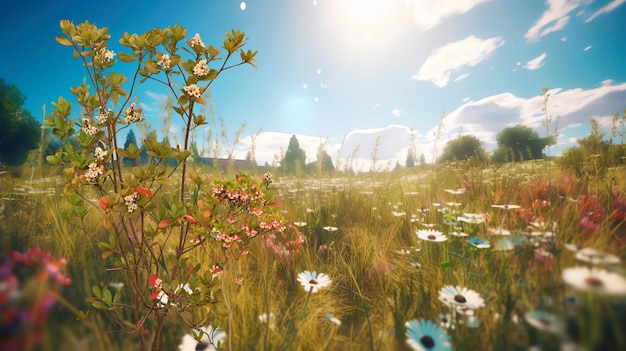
383 275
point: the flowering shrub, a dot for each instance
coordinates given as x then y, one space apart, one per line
172 231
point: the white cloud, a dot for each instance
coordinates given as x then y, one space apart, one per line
605 9
483 118
488 116
553 19
536 63
428 13
453 56
587 48
461 77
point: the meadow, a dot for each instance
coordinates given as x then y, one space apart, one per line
459 256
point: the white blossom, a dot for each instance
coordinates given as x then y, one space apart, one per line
201 69
196 40
165 61
192 90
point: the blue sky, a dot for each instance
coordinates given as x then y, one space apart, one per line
355 72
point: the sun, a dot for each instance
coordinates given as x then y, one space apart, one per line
366 23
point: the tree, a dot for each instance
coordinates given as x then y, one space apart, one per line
294 157
130 139
520 143
20 132
410 159
463 148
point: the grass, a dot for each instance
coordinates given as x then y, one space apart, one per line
371 258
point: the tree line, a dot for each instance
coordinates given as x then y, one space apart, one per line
21 133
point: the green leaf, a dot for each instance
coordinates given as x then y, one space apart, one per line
125 57
99 305
63 41
152 67
107 296
96 291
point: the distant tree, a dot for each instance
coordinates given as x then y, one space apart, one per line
463 148
520 143
20 132
422 159
294 157
410 159
130 139
324 162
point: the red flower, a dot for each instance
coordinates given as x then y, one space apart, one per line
104 203
143 191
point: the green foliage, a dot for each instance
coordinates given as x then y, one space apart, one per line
463 148
594 155
295 157
520 143
20 131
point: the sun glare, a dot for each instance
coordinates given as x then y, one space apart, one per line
366 22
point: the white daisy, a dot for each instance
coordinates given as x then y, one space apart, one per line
594 256
595 280
544 321
313 281
460 298
431 235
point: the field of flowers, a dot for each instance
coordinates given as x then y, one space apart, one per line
461 257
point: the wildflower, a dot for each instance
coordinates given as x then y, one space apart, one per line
299 224
592 213
210 339
431 235
472 218
88 128
106 55
132 114
594 256
479 243
595 280
183 287
239 280
508 243
454 192
165 61
216 270
426 336
103 115
162 299
313 282
192 90
543 321
445 320
131 202
93 172
267 179
100 153
460 298
333 319
196 40
268 319
330 229
201 68
507 207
